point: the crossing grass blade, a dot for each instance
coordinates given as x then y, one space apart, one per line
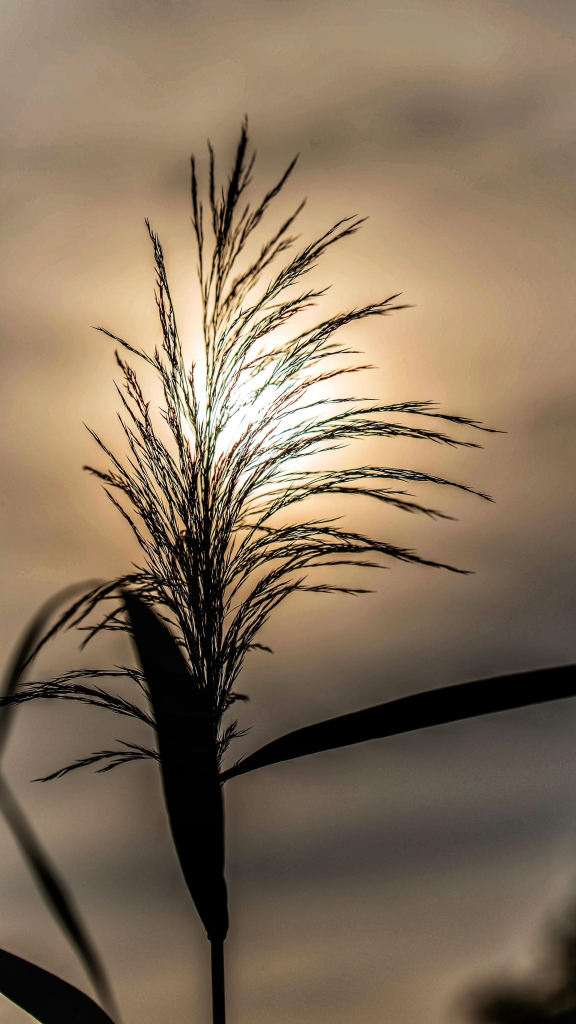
44 996
418 711
25 651
188 755
53 890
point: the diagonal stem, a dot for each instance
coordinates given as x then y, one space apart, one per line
218 992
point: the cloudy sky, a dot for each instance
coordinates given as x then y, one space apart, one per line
378 882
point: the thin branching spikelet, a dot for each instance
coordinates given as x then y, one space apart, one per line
211 508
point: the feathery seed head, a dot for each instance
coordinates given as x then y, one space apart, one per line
212 508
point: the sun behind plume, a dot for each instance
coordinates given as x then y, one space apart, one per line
218 506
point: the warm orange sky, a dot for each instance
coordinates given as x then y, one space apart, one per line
379 882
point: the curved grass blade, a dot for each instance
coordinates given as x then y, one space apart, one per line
418 711
56 896
45 996
25 650
51 887
186 739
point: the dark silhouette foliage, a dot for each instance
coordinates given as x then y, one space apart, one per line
189 759
418 711
547 998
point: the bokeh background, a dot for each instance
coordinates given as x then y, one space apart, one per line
378 882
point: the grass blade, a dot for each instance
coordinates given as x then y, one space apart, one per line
187 743
418 711
51 887
25 650
44 996
56 896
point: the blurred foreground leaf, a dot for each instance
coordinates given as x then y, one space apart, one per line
25 651
52 888
546 996
44 996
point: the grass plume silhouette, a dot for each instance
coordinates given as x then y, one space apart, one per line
211 489
205 510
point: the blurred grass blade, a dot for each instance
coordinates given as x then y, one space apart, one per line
187 744
56 896
419 711
25 651
51 887
44 996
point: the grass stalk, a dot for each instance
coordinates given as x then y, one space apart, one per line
218 982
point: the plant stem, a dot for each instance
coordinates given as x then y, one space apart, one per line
218 998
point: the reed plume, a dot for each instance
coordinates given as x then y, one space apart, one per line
212 490
211 511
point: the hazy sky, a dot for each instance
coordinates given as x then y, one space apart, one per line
378 882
